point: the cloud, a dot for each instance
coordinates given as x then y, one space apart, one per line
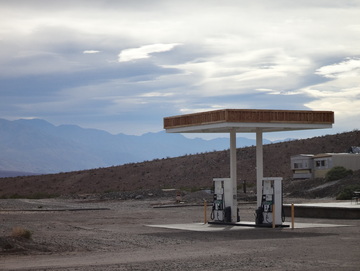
91 52
239 73
347 68
200 109
277 92
281 55
340 93
156 94
144 51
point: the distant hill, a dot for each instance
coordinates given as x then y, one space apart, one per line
4 173
38 146
186 172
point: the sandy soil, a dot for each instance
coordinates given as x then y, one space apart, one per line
117 237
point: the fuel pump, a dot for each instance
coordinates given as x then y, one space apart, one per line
221 209
271 202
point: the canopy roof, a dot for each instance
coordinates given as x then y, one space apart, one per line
248 121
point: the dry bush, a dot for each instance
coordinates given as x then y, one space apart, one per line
21 232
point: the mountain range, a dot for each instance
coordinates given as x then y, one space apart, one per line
35 146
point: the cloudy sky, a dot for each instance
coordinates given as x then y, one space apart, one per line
123 66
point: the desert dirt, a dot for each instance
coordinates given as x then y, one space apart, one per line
89 234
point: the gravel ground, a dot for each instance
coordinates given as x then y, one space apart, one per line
116 237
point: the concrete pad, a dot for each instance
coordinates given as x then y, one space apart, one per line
211 227
199 227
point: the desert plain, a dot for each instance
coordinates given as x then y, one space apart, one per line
92 234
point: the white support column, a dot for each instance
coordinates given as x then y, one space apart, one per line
259 164
233 173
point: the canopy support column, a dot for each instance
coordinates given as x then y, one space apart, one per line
233 176
259 164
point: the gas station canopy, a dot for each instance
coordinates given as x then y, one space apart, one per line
248 121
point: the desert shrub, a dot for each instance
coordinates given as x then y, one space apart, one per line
337 173
15 196
191 189
348 192
21 232
249 184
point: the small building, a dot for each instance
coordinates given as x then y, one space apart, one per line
302 166
326 161
305 166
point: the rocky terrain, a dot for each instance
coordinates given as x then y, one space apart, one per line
186 173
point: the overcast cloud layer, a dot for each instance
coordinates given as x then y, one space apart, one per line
122 66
